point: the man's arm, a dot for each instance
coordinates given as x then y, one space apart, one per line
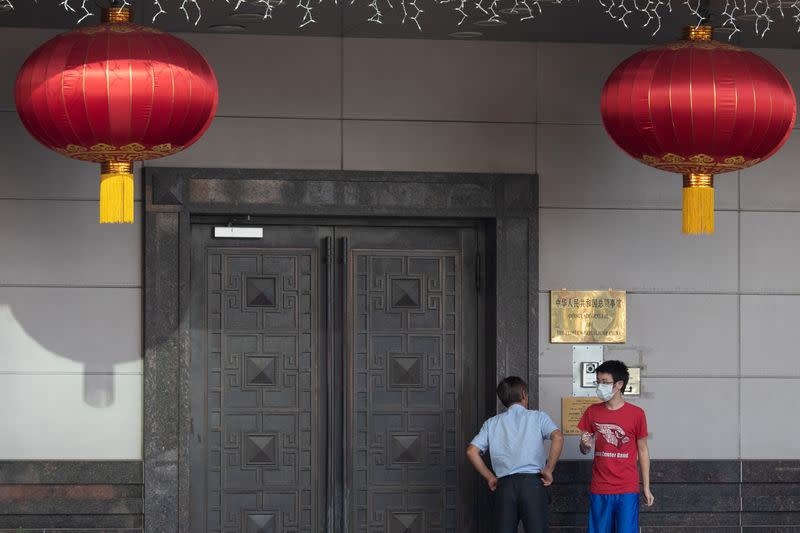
644 466
556 445
586 426
474 456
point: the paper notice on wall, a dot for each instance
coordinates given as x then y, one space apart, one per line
572 409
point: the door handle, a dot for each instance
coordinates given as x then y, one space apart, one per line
344 261
328 366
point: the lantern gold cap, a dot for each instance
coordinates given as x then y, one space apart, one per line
704 32
116 167
698 180
116 15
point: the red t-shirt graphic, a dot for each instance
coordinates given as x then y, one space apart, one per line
615 446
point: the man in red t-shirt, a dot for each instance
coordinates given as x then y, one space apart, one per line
618 432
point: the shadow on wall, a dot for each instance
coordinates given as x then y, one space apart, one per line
93 332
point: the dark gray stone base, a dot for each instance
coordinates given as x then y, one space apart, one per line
691 496
74 496
694 496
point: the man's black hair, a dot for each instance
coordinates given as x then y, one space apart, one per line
511 390
618 371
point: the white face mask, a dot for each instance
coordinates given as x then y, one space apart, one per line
605 391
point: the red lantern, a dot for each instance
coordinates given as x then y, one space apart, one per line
698 107
113 94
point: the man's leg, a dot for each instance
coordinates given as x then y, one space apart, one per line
533 506
601 513
627 513
505 506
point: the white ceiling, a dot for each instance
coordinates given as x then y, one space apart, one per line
568 22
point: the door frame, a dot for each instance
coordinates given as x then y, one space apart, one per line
506 205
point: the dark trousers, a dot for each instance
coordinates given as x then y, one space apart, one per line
520 497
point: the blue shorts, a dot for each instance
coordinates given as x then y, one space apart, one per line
614 513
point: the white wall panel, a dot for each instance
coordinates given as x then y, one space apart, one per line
263 143
17 44
770 252
31 171
768 327
634 250
52 330
769 418
439 80
691 418
439 146
775 183
684 334
571 77
580 166
48 242
52 419
668 334
273 76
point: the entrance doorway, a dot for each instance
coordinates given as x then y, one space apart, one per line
334 378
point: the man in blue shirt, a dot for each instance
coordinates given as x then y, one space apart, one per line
515 440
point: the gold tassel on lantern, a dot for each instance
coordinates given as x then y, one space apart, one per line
698 204
116 193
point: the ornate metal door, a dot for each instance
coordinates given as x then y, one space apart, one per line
333 380
258 382
411 389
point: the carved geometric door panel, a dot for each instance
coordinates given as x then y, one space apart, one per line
410 347
262 415
333 380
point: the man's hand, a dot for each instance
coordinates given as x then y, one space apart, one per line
587 442
474 456
547 477
644 467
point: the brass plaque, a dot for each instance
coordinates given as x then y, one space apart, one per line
587 317
572 408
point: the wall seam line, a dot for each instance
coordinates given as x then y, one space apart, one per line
65 286
365 118
739 307
73 200
692 376
664 208
640 208
681 292
65 373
